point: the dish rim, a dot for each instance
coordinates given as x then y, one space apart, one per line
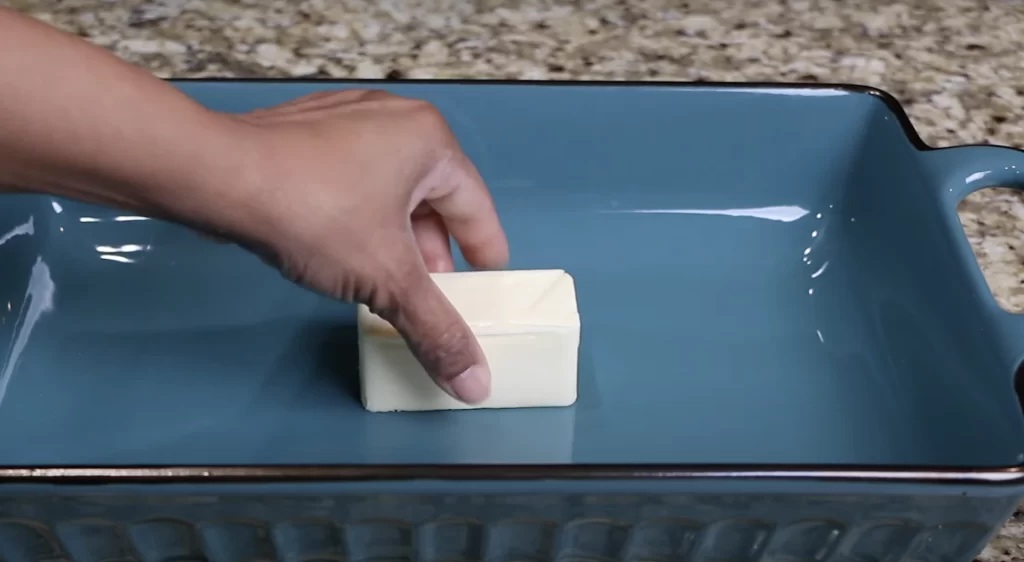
1001 475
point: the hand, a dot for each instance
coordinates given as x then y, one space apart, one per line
354 194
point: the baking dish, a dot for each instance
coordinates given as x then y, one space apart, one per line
788 352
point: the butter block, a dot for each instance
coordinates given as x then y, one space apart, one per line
527 324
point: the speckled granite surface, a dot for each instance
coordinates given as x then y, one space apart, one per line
957 65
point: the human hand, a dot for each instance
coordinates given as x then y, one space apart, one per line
354 194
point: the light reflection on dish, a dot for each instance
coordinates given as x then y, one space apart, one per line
120 218
117 258
977 176
25 229
783 213
804 92
123 249
38 300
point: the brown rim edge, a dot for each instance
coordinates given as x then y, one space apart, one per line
367 473
385 473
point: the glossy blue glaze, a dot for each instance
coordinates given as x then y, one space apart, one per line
765 275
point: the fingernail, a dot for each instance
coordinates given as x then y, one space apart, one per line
472 386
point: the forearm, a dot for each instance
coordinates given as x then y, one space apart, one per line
77 121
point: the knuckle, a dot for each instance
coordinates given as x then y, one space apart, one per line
294 271
395 280
311 96
429 116
311 270
382 300
375 94
405 276
346 288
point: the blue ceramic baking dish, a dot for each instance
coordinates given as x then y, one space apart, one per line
788 353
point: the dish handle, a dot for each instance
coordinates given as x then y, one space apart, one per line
962 170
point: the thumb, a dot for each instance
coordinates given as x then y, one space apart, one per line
440 339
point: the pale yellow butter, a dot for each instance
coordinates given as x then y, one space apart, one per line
527 324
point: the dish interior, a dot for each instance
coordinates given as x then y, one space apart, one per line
754 272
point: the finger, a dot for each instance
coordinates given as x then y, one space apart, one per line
331 98
292 103
460 196
432 239
312 97
317 101
338 95
439 338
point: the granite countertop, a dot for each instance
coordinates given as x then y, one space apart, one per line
954 64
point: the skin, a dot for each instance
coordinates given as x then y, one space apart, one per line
380 172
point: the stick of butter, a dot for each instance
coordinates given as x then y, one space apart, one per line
527 325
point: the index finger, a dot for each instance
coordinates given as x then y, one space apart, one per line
461 197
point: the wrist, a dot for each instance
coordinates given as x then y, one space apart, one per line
196 168
190 166
203 177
